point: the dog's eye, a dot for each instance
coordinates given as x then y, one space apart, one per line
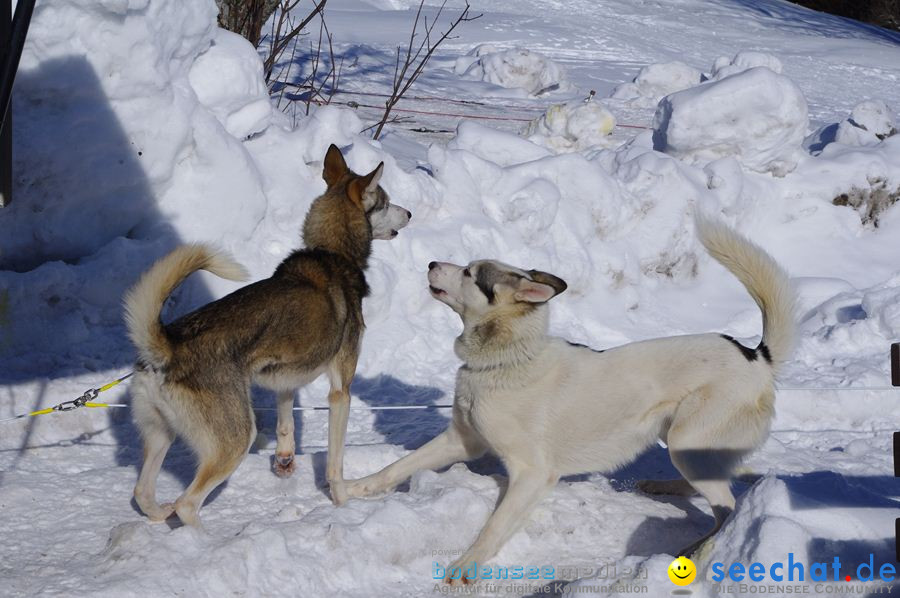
466 272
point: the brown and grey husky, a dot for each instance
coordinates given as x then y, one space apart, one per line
193 375
549 408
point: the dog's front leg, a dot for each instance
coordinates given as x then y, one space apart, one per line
283 465
526 489
340 375
448 447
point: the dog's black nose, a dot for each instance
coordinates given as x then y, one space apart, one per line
432 265
408 215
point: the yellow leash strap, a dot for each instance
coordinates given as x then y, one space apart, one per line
85 400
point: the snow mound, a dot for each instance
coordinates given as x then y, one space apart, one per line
228 80
572 126
500 147
869 123
327 125
514 68
657 80
854 329
607 225
742 61
875 117
757 116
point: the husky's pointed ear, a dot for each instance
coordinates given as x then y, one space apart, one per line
335 166
545 279
364 186
533 292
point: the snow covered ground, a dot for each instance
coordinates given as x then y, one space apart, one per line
139 125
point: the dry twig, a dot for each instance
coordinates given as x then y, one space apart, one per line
416 57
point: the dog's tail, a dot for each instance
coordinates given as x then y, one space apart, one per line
764 279
144 300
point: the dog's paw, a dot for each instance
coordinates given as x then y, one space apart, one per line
699 550
356 490
458 581
283 466
161 512
338 493
456 573
361 488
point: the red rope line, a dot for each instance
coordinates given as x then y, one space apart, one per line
452 114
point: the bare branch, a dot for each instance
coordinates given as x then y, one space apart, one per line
281 41
403 76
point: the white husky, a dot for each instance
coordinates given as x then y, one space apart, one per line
548 408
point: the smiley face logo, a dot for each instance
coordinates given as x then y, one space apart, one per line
682 571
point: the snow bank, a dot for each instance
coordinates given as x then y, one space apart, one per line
809 518
228 79
571 215
94 95
515 68
113 140
742 61
572 126
655 81
794 514
757 116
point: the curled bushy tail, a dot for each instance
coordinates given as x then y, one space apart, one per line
763 278
144 300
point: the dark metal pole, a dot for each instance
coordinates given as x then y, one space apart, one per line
20 23
895 381
6 116
12 40
895 364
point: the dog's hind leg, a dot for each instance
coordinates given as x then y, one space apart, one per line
527 486
157 437
448 447
706 468
718 493
708 471
711 432
283 465
220 439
